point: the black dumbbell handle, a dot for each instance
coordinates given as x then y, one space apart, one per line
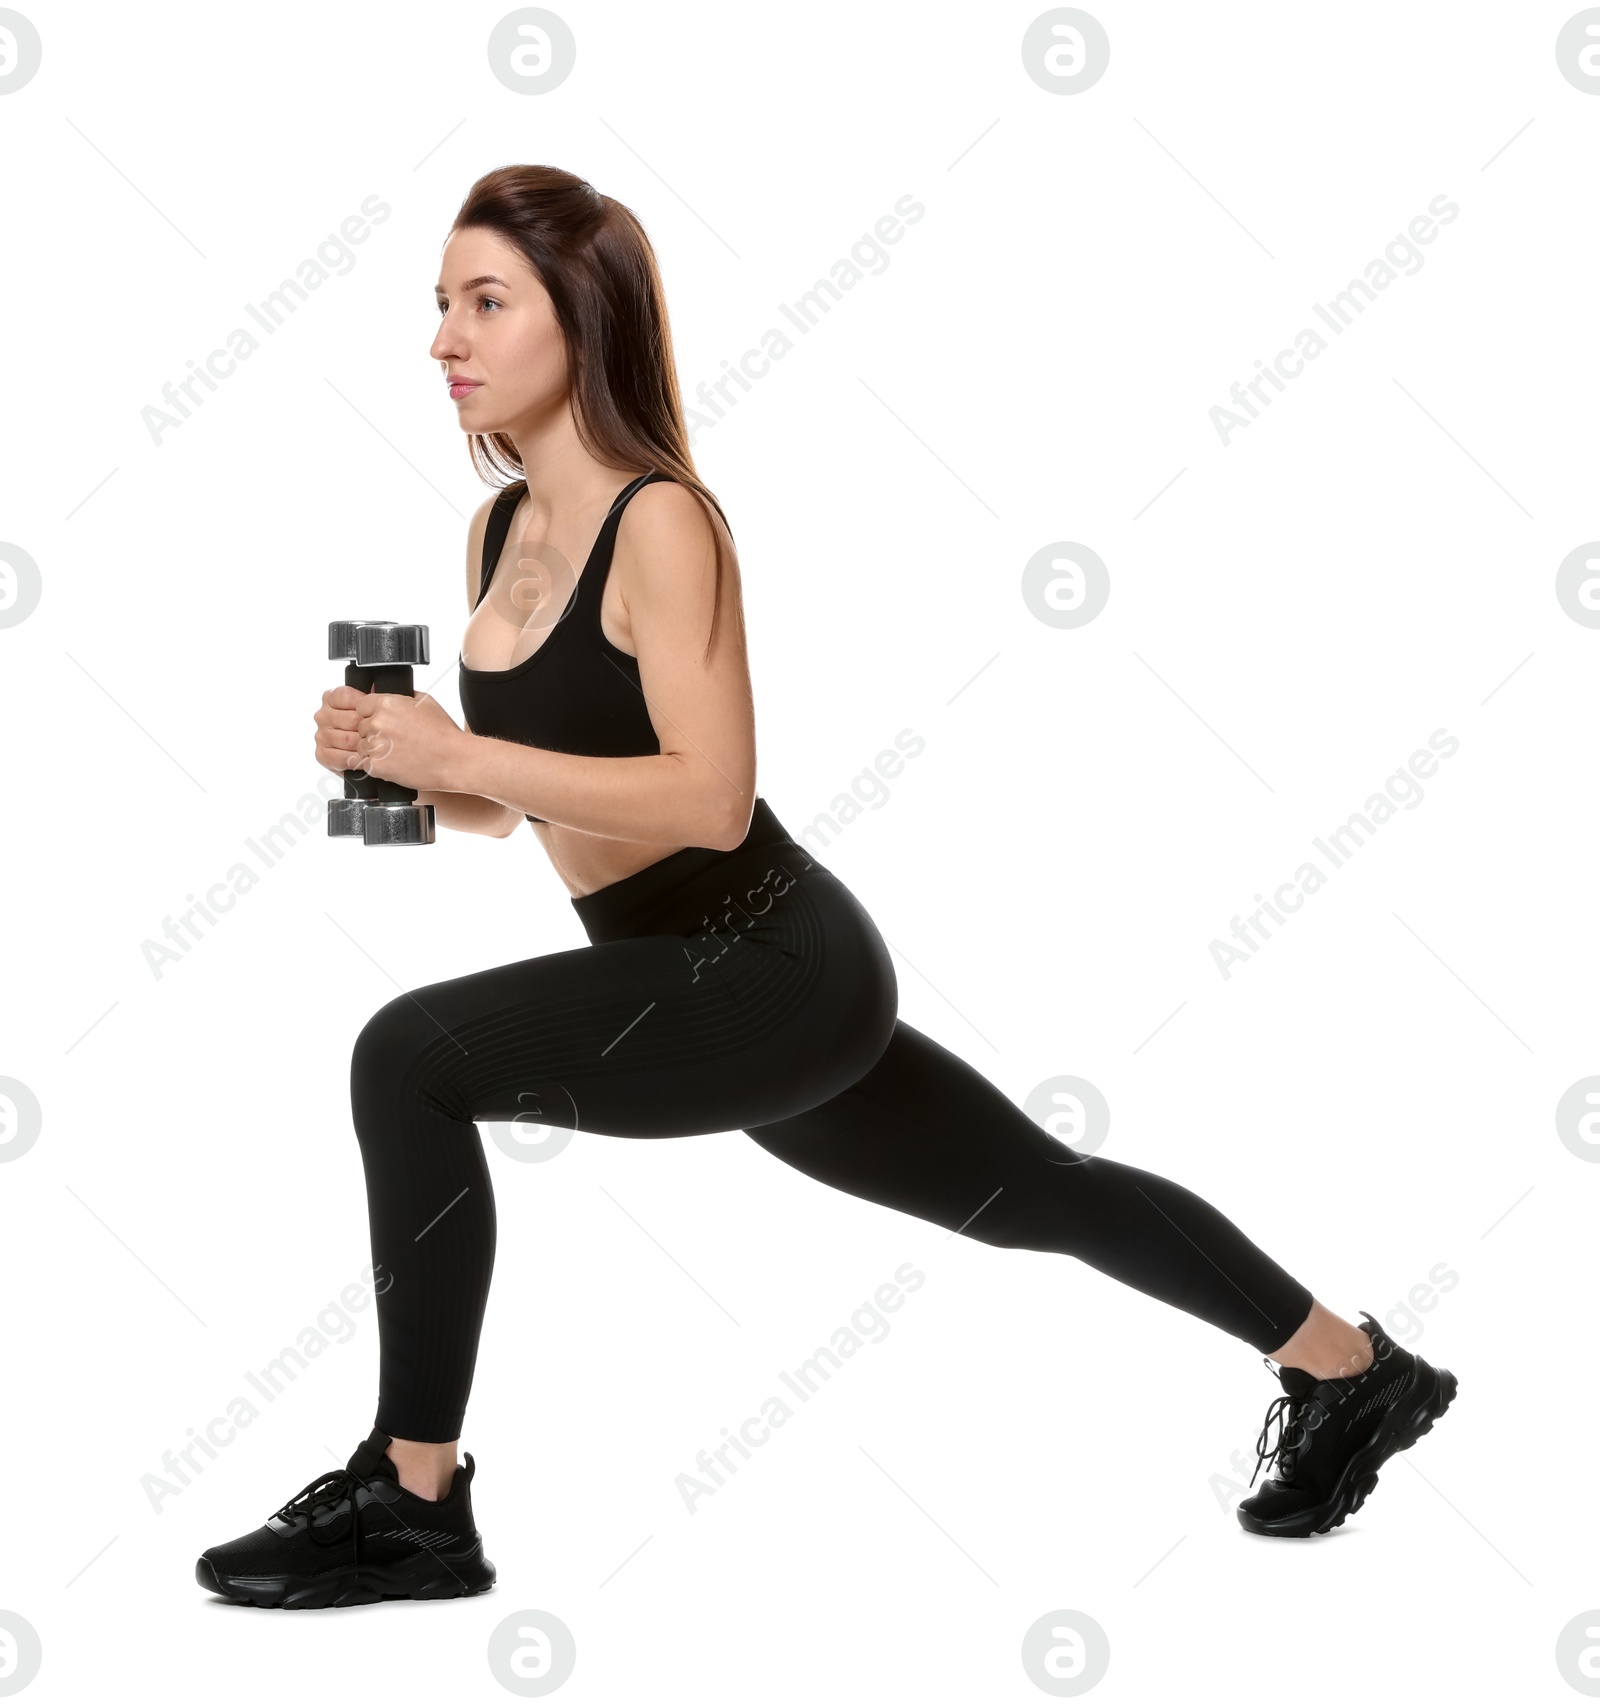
380 678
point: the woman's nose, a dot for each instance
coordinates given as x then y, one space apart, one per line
447 342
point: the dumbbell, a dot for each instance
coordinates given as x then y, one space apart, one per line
380 656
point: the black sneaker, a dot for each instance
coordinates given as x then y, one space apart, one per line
1334 1435
353 1536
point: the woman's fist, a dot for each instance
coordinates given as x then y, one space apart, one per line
337 724
393 736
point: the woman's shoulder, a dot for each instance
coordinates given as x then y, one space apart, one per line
666 509
671 549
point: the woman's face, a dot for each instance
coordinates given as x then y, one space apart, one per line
497 327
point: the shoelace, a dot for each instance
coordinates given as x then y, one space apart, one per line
328 1490
1285 1411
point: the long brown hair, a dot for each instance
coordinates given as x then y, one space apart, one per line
593 257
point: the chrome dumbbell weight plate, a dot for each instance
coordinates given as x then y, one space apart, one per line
380 643
391 823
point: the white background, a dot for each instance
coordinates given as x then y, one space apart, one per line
1371 1095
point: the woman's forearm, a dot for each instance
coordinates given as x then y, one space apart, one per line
471 813
654 798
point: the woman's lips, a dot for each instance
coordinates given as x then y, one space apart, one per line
460 388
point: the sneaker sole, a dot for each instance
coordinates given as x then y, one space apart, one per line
427 1575
1404 1424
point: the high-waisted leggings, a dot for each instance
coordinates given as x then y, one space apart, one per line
742 990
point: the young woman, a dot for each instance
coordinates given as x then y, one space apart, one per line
731 981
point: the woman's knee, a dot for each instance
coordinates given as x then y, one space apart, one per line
397 1052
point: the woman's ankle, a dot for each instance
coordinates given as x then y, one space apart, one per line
1326 1346
423 1467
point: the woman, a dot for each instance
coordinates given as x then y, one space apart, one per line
731 981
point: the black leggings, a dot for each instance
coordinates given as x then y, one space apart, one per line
722 991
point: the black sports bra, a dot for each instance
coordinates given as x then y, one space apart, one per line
577 692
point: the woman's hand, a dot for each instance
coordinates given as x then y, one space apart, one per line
397 738
413 741
336 729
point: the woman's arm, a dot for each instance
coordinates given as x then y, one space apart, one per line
700 789
470 812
